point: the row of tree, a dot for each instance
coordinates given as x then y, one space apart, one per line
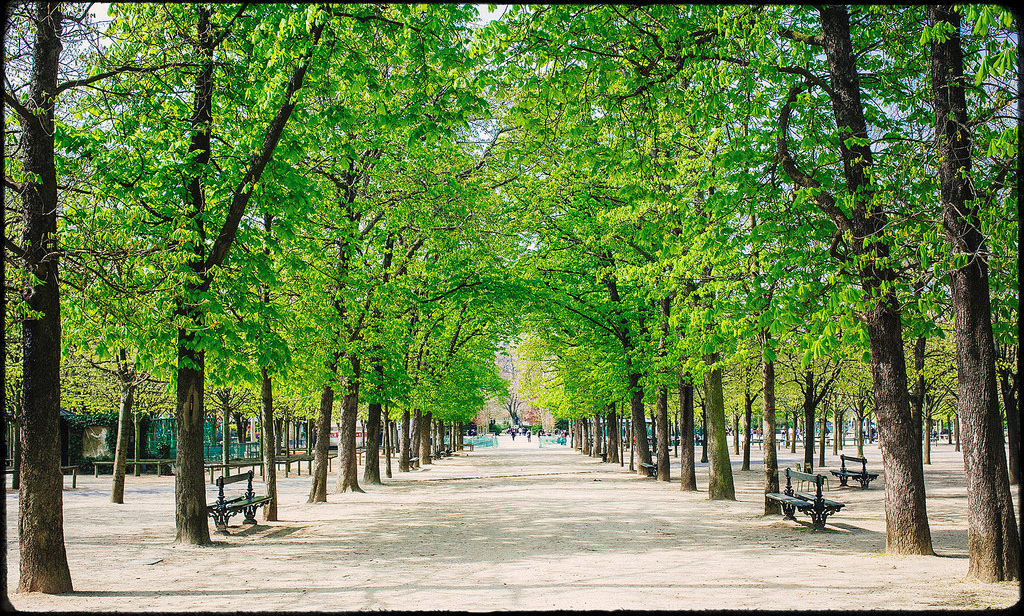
710 184
363 202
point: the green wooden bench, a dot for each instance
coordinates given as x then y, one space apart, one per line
814 505
222 510
863 476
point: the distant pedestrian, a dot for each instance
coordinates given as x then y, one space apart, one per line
513 435
527 437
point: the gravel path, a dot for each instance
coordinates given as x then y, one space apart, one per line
516 527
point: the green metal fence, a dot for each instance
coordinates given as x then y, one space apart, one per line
481 440
551 441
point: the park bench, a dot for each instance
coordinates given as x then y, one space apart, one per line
224 468
247 503
464 446
813 505
863 476
413 461
652 469
158 463
74 474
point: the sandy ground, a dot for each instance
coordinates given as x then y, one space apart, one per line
514 527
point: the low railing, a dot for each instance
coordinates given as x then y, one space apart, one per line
551 441
481 440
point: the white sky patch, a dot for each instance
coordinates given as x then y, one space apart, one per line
487 15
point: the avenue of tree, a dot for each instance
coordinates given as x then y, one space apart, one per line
334 212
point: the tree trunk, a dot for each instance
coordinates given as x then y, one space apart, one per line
837 431
348 479
748 411
917 400
735 432
403 455
992 533
387 445
124 414
687 467
720 483
809 408
771 462
860 434
661 421
636 408
269 455
190 485
43 563
927 438
612 443
415 437
190 479
704 432
906 515
426 457
371 469
225 431
796 428
1008 386
318 489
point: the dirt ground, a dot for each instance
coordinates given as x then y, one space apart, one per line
516 527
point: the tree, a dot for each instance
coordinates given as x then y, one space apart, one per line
907 530
993 540
43 565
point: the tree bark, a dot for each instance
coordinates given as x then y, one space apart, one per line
992 534
748 411
371 469
796 427
704 433
190 479
639 420
917 400
415 437
347 457
225 432
269 437
661 412
426 457
907 530
771 462
687 472
43 565
612 443
810 404
720 482
1008 385
387 445
403 456
124 415
318 489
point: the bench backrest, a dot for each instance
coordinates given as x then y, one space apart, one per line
863 462
792 475
798 476
225 479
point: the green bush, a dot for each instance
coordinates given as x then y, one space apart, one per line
78 422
